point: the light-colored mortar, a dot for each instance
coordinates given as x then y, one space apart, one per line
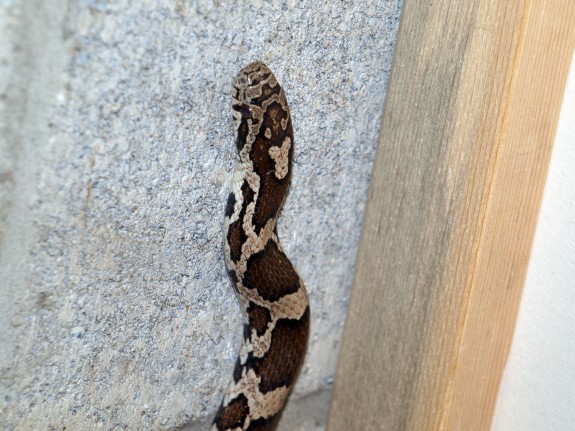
116 151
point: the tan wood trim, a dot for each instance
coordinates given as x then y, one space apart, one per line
466 137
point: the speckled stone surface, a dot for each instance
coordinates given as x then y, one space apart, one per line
117 149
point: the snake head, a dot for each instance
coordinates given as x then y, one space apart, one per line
259 106
250 84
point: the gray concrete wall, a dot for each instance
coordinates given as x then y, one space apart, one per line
116 149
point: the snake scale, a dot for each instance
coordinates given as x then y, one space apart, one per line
272 295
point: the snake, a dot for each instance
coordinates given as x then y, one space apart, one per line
271 294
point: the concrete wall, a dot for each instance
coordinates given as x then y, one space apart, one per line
538 388
116 148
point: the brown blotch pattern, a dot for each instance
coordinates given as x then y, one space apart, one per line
247 196
236 235
271 273
264 424
259 317
234 415
235 239
288 347
230 205
242 133
274 190
238 370
273 120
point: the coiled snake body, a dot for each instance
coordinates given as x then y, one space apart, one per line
271 293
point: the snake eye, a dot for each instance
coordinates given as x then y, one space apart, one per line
243 81
246 111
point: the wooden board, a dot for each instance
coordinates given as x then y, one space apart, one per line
467 131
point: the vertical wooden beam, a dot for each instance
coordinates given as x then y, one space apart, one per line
469 123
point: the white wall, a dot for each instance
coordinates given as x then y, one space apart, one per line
538 388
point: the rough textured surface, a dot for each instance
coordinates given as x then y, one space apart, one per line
117 149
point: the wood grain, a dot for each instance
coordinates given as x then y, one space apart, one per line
466 137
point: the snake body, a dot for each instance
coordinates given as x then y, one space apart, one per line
271 294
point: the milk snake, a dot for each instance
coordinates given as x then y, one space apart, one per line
271 294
